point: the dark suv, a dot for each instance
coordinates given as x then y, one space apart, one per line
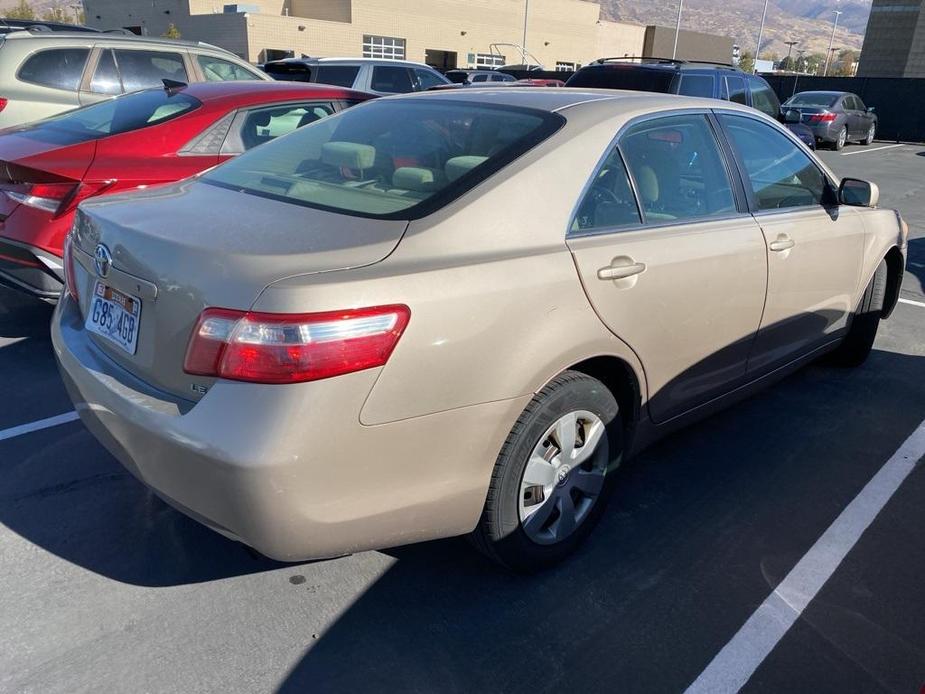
690 78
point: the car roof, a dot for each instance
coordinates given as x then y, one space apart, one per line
350 61
554 99
645 63
824 92
84 36
258 91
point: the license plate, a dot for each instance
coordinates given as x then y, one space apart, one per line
115 316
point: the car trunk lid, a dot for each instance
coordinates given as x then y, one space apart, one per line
185 247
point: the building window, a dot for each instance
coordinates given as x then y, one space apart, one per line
385 47
565 66
486 60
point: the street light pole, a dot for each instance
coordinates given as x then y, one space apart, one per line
677 31
790 45
825 70
524 44
760 32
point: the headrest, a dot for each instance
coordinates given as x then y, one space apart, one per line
262 120
458 166
415 178
349 154
648 183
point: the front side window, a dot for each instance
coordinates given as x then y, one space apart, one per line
384 47
261 125
427 79
763 97
111 117
609 201
106 76
696 85
337 75
735 86
388 159
58 68
780 174
218 70
678 169
146 69
391 79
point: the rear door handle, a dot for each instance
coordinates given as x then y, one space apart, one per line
619 272
782 243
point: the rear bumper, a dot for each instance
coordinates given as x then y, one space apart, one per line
289 469
826 132
31 270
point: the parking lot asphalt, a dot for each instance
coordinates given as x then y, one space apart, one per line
104 588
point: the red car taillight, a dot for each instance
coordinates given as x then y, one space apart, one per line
56 198
70 278
293 348
3 103
822 117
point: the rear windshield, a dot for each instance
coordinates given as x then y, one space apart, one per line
290 72
111 117
818 99
622 77
388 159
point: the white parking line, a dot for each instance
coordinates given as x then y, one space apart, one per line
912 303
868 149
38 426
738 660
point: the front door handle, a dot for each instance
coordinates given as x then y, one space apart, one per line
619 272
782 243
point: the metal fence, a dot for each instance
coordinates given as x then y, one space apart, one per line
899 101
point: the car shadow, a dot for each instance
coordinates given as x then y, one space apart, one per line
702 526
22 315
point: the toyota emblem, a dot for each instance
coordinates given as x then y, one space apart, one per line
103 260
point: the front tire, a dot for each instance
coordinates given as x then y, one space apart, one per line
860 338
552 479
841 139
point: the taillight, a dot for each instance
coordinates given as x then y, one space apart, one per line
70 277
3 103
822 117
56 198
293 348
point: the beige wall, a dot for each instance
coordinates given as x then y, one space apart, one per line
558 30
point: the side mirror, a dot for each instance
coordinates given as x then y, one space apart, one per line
858 193
791 115
871 109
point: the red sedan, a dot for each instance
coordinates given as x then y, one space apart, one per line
133 141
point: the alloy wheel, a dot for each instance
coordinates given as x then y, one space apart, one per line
564 477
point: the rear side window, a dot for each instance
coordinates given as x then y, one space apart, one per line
427 79
622 76
609 201
259 126
338 75
391 79
59 68
388 159
763 97
289 72
678 169
480 78
218 70
696 85
145 69
111 117
781 175
735 88
106 76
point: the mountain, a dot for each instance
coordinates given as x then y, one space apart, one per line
808 22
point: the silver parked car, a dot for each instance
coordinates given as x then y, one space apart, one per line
835 118
45 73
363 74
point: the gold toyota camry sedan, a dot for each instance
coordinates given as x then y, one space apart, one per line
458 312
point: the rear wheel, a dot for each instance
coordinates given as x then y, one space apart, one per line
860 338
841 139
871 131
552 478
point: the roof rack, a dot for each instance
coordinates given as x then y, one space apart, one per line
647 58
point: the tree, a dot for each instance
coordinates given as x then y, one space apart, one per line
844 64
22 11
172 32
813 63
788 64
746 62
